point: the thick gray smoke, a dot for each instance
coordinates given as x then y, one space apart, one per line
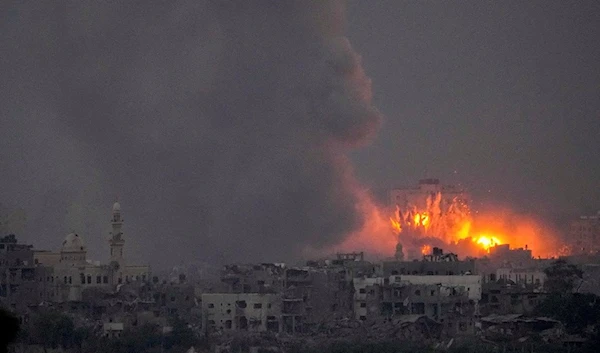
221 126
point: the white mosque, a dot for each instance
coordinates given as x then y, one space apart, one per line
69 273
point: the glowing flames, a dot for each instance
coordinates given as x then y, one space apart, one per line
486 241
421 220
426 249
396 227
450 224
447 223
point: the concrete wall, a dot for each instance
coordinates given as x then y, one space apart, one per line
522 276
242 311
391 268
471 283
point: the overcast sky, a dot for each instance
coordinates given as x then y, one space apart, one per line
498 95
225 128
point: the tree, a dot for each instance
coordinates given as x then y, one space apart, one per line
576 311
562 277
146 338
181 338
52 330
9 328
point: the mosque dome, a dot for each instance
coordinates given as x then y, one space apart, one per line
73 243
116 207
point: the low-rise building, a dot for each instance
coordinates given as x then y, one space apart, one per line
257 312
450 306
522 276
470 284
18 280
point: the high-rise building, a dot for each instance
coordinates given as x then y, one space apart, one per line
584 234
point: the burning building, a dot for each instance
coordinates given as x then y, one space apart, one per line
436 215
430 214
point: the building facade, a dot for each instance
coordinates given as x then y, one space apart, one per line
68 272
584 234
255 312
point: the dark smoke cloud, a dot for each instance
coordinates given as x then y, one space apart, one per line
221 126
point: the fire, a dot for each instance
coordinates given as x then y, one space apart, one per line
446 222
396 227
486 241
450 223
426 249
421 220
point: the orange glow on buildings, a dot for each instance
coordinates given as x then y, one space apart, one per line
486 241
435 215
426 249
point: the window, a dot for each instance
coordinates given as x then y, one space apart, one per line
362 291
363 305
89 279
417 292
98 279
363 318
257 306
105 279
65 279
70 280
241 304
211 305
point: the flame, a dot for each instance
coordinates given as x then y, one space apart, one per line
447 223
396 227
486 241
450 223
426 249
421 220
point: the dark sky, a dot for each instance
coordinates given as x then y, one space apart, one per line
224 129
501 96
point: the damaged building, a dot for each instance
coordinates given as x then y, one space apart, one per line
256 312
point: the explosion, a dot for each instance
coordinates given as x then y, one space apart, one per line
440 216
486 241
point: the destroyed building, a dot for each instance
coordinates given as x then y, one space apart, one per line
309 295
437 263
257 312
448 304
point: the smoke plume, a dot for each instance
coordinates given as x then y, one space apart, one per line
221 126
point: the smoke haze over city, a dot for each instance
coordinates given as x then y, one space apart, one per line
236 130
